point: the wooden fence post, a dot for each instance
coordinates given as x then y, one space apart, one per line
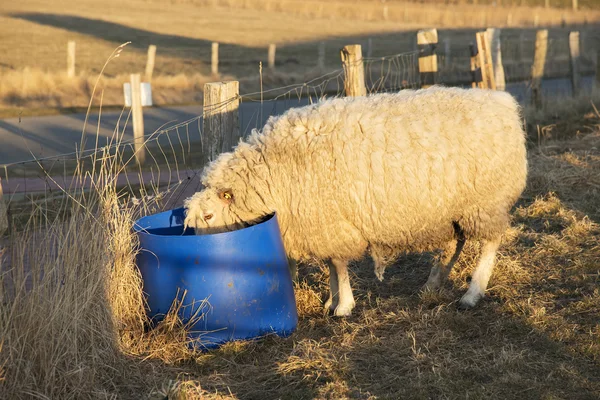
476 72
214 59
354 70
575 5
485 60
476 80
150 63
574 53
496 52
427 41
321 56
272 48
71 59
221 126
3 212
537 69
138 118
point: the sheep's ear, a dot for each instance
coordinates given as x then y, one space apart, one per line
226 196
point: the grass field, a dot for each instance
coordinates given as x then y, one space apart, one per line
591 4
35 34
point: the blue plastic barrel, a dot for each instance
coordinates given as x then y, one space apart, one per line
238 282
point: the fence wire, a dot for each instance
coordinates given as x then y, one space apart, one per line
173 161
174 153
392 73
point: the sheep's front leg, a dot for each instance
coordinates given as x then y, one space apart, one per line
345 302
440 271
482 274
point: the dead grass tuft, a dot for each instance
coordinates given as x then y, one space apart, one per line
34 88
72 312
308 302
563 118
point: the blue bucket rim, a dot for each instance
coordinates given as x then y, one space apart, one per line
141 230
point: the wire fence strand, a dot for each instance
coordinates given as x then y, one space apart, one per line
175 148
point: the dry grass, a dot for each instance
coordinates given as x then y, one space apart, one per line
72 313
35 34
536 335
72 321
46 93
36 89
499 3
563 118
424 13
58 330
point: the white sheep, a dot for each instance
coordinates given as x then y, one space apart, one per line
383 174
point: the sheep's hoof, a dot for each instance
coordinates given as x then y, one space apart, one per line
430 287
343 311
434 282
329 306
469 300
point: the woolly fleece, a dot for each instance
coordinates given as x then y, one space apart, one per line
388 173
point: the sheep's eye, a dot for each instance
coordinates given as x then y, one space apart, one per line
208 217
226 195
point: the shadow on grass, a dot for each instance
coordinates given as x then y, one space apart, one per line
534 336
518 46
397 345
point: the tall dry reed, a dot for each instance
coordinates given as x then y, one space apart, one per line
73 320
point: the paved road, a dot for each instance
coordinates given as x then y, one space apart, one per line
49 136
53 135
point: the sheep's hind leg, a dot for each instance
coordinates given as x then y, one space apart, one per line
345 299
379 265
482 274
333 300
293 267
440 271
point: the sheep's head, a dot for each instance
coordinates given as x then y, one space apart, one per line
228 201
209 211
214 211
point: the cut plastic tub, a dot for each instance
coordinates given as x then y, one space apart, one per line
238 283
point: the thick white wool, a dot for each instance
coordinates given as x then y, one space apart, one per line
388 172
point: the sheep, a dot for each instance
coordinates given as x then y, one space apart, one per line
385 174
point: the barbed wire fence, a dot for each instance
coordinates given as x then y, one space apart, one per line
173 167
